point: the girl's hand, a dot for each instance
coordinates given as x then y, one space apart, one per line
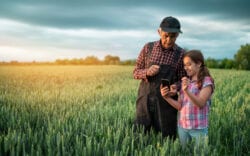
173 90
185 83
164 91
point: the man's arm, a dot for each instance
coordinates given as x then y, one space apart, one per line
140 71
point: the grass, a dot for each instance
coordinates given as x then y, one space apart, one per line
89 110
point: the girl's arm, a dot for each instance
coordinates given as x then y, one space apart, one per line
203 97
165 92
174 103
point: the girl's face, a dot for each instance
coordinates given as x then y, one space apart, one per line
191 67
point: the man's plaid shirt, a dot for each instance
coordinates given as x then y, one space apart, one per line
159 56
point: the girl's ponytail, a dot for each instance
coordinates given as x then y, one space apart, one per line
203 72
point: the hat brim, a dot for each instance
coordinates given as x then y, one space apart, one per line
172 30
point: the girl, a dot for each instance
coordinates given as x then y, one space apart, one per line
194 100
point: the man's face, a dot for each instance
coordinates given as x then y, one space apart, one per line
167 39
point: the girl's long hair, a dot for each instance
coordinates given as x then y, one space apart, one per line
197 57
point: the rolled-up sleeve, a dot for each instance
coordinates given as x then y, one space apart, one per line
140 67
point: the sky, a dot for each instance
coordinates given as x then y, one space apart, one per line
46 30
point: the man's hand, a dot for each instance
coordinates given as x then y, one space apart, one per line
153 70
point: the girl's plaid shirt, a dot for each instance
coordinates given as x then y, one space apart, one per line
191 116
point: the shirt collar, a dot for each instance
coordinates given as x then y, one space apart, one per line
172 48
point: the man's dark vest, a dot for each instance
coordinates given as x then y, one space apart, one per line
151 109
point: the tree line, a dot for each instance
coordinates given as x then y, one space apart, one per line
241 61
89 60
93 60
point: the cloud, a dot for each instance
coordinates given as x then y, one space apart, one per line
116 14
215 38
77 42
80 28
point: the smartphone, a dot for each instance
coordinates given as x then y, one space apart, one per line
165 82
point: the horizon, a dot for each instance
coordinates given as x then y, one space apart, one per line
121 60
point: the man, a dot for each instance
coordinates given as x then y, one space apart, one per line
159 60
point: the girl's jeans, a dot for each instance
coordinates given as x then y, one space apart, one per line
198 135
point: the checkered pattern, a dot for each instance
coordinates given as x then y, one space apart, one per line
159 56
191 116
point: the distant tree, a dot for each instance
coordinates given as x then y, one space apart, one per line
111 59
62 62
91 60
230 64
211 63
242 58
14 62
226 64
76 61
81 61
128 62
3 63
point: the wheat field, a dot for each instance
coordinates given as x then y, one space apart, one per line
89 110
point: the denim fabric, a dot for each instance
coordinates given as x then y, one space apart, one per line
200 136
